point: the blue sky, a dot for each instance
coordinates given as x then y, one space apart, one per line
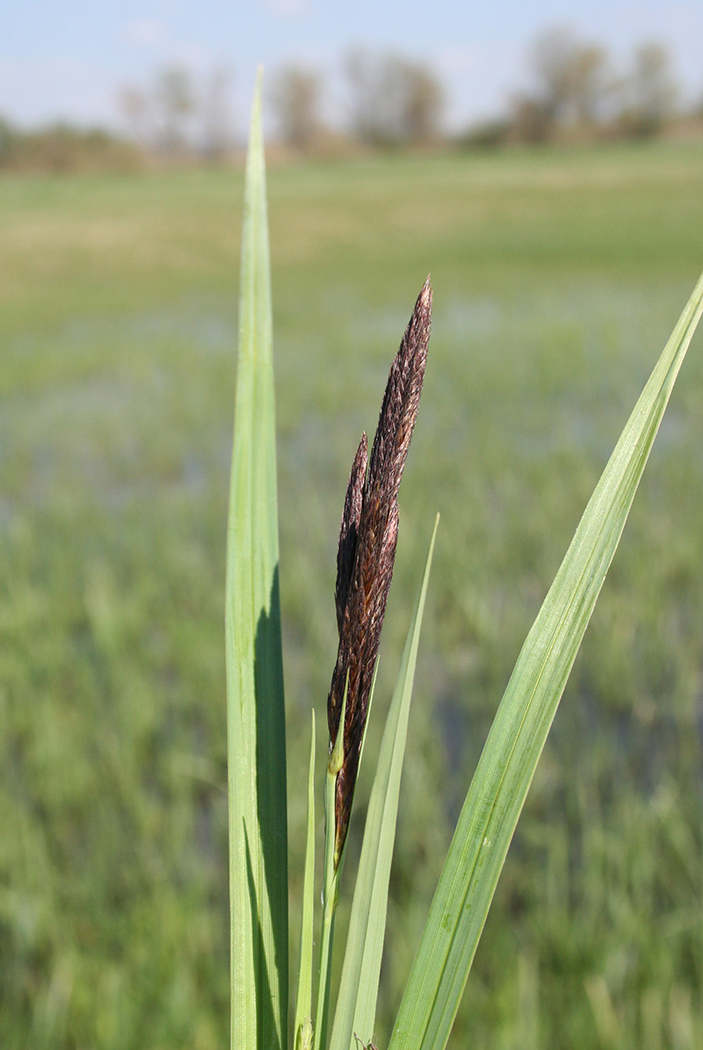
69 59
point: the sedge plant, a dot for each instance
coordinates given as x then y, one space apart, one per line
255 702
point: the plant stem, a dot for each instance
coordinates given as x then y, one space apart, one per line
330 899
330 887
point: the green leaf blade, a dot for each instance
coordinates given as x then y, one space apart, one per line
518 734
358 992
255 711
302 1027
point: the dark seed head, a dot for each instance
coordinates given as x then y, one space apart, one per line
367 542
349 529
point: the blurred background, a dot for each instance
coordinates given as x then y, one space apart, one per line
146 82
545 163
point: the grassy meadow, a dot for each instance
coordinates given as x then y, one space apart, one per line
558 277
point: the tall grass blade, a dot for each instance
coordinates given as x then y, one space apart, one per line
255 716
508 762
302 1027
358 991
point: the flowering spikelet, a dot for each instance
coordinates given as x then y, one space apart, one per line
367 542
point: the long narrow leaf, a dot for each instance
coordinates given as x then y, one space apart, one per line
508 762
358 991
255 715
302 1026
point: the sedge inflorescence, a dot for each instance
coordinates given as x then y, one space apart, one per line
366 552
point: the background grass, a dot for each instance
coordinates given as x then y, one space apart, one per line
558 278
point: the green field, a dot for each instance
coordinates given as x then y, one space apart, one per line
558 277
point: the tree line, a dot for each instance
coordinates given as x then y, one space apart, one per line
575 93
391 100
174 119
579 94
61 148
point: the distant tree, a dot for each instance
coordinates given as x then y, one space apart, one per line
552 60
572 83
652 91
590 84
489 134
136 108
423 105
8 139
532 119
393 100
295 97
217 118
176 99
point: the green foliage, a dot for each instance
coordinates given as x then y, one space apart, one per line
256 732
302 1024
355 1009
518 734
561 278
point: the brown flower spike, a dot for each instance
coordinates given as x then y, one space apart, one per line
367 542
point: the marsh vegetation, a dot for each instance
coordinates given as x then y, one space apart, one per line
558 277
